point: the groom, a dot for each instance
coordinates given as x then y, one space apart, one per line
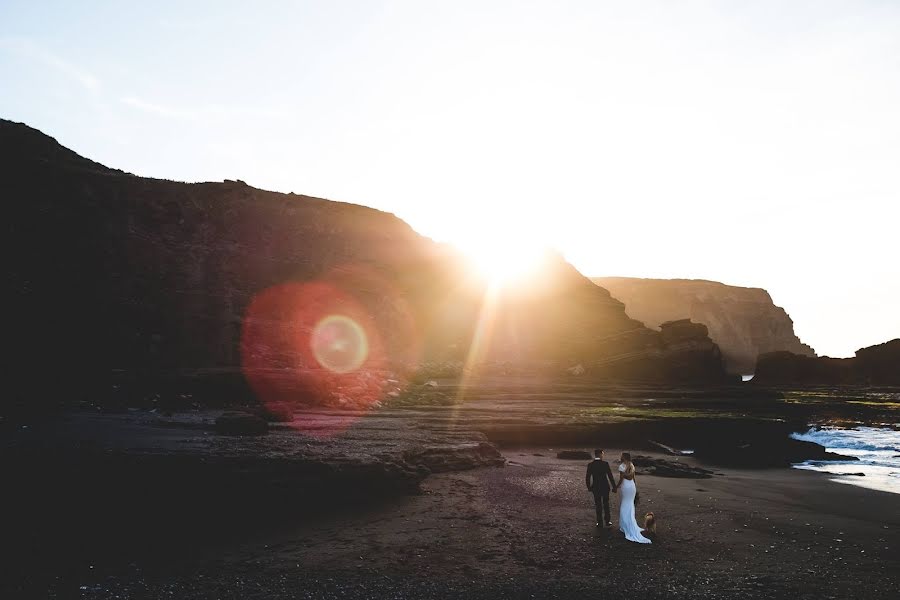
599 480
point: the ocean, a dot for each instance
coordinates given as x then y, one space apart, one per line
878 451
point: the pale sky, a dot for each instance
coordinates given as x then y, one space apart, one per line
753 143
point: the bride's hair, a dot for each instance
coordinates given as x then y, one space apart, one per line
629 466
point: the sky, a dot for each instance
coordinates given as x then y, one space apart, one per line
753 143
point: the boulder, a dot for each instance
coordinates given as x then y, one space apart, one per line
660 467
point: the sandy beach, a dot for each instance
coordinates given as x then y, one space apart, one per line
527 530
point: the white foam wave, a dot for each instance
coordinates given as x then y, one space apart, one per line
875 448
862 438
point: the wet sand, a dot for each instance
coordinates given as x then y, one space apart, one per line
527 530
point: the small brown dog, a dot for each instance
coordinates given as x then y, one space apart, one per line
650 523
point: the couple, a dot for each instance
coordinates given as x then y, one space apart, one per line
599 479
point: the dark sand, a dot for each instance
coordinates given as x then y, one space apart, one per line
527 530
138 505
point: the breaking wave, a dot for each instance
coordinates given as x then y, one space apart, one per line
877 450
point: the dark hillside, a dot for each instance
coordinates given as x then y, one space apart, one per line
112 273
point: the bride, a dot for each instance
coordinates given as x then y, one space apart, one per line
627 523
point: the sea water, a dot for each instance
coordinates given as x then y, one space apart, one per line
878 451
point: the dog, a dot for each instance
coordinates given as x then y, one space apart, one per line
650 523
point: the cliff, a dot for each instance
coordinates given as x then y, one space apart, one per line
744 322
110 272
875 365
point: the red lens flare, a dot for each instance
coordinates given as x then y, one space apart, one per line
314 344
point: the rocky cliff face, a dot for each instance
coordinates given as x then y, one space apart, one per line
109 271
744 322
875 365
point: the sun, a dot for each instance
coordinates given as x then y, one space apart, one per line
502 260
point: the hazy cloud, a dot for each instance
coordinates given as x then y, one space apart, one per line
32 51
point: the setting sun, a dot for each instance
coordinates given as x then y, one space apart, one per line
502 260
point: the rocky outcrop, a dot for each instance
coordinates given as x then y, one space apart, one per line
680 352
660 467
758 451
744 322
875 365
145 278
457 458
682 332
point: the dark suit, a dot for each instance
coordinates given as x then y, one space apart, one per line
599 480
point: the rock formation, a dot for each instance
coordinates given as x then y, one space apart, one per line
744 322
661 467
110 273
875 365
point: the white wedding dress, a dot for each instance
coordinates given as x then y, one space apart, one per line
627 523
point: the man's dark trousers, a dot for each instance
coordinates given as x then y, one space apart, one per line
601 497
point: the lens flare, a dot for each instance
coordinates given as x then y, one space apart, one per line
331 342
339 344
